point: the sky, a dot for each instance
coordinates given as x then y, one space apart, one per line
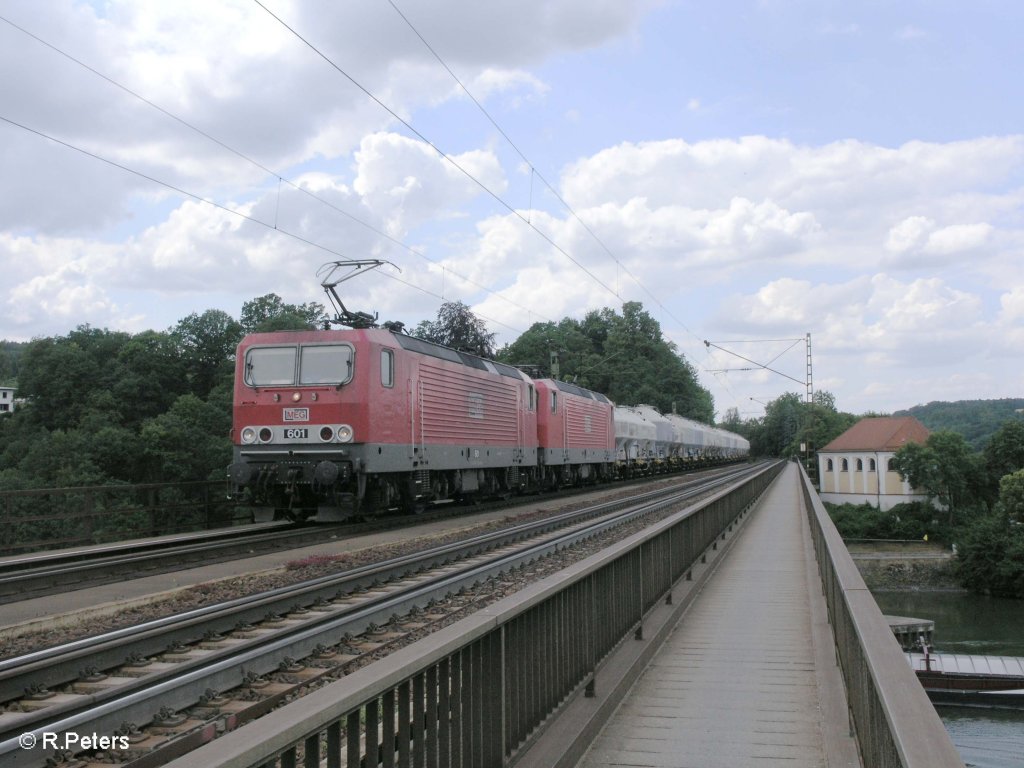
752 171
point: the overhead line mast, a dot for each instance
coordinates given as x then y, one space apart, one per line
808 382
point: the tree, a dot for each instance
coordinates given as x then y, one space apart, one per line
10 354
990 557
457 327
188 442
150 376
60 375
783 422
1004 453
271 313
1011 496
207 344
944 467
622 356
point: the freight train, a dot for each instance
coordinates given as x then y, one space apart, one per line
338 423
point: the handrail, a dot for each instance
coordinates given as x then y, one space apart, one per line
478 692
50 518
894 722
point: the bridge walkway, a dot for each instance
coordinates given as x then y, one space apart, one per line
749 676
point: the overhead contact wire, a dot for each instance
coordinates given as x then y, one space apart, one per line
511 209
280 178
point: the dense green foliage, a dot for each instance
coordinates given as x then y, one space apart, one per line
945 468
990 557
911 521
789 422
457 327
982 495
976 420
106 407
10 355
622 356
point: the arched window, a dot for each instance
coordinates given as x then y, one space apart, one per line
892 465
860 465
828 466
846 465
871 465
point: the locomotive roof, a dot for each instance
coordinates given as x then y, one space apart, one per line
565 386
431 349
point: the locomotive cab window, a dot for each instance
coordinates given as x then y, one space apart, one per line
387 368
315 364
325 364
270 366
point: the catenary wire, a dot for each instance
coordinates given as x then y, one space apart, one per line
550 187
275 174
213 203
510 208
533 170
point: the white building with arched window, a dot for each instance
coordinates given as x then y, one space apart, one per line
856 467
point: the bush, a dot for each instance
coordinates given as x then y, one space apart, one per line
912 520
990 556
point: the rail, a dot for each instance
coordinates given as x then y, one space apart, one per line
49 518
480 691
893 722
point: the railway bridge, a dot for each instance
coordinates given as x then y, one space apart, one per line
737 633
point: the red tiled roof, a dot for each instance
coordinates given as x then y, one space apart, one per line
886 433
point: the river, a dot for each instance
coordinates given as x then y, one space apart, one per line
966 623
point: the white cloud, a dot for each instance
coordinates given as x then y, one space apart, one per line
910 234
502 81
958 238
403 180
236 74
1012 304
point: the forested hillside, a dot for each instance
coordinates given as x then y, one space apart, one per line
10 353
976 420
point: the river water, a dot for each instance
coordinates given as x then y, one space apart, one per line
966 623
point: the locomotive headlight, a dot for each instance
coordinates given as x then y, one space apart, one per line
248 435
345 433
296 396
266 434
326 434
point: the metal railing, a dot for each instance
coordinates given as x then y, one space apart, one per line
477 693
51 518
893 721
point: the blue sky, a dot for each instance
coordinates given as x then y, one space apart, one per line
752 171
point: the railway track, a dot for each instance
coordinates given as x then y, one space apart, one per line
45 573
231 662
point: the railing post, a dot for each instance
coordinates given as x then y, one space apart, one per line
88 508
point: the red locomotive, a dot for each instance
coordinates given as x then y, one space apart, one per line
331 423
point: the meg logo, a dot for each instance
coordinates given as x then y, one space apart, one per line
296 414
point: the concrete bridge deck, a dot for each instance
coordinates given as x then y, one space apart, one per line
749 675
